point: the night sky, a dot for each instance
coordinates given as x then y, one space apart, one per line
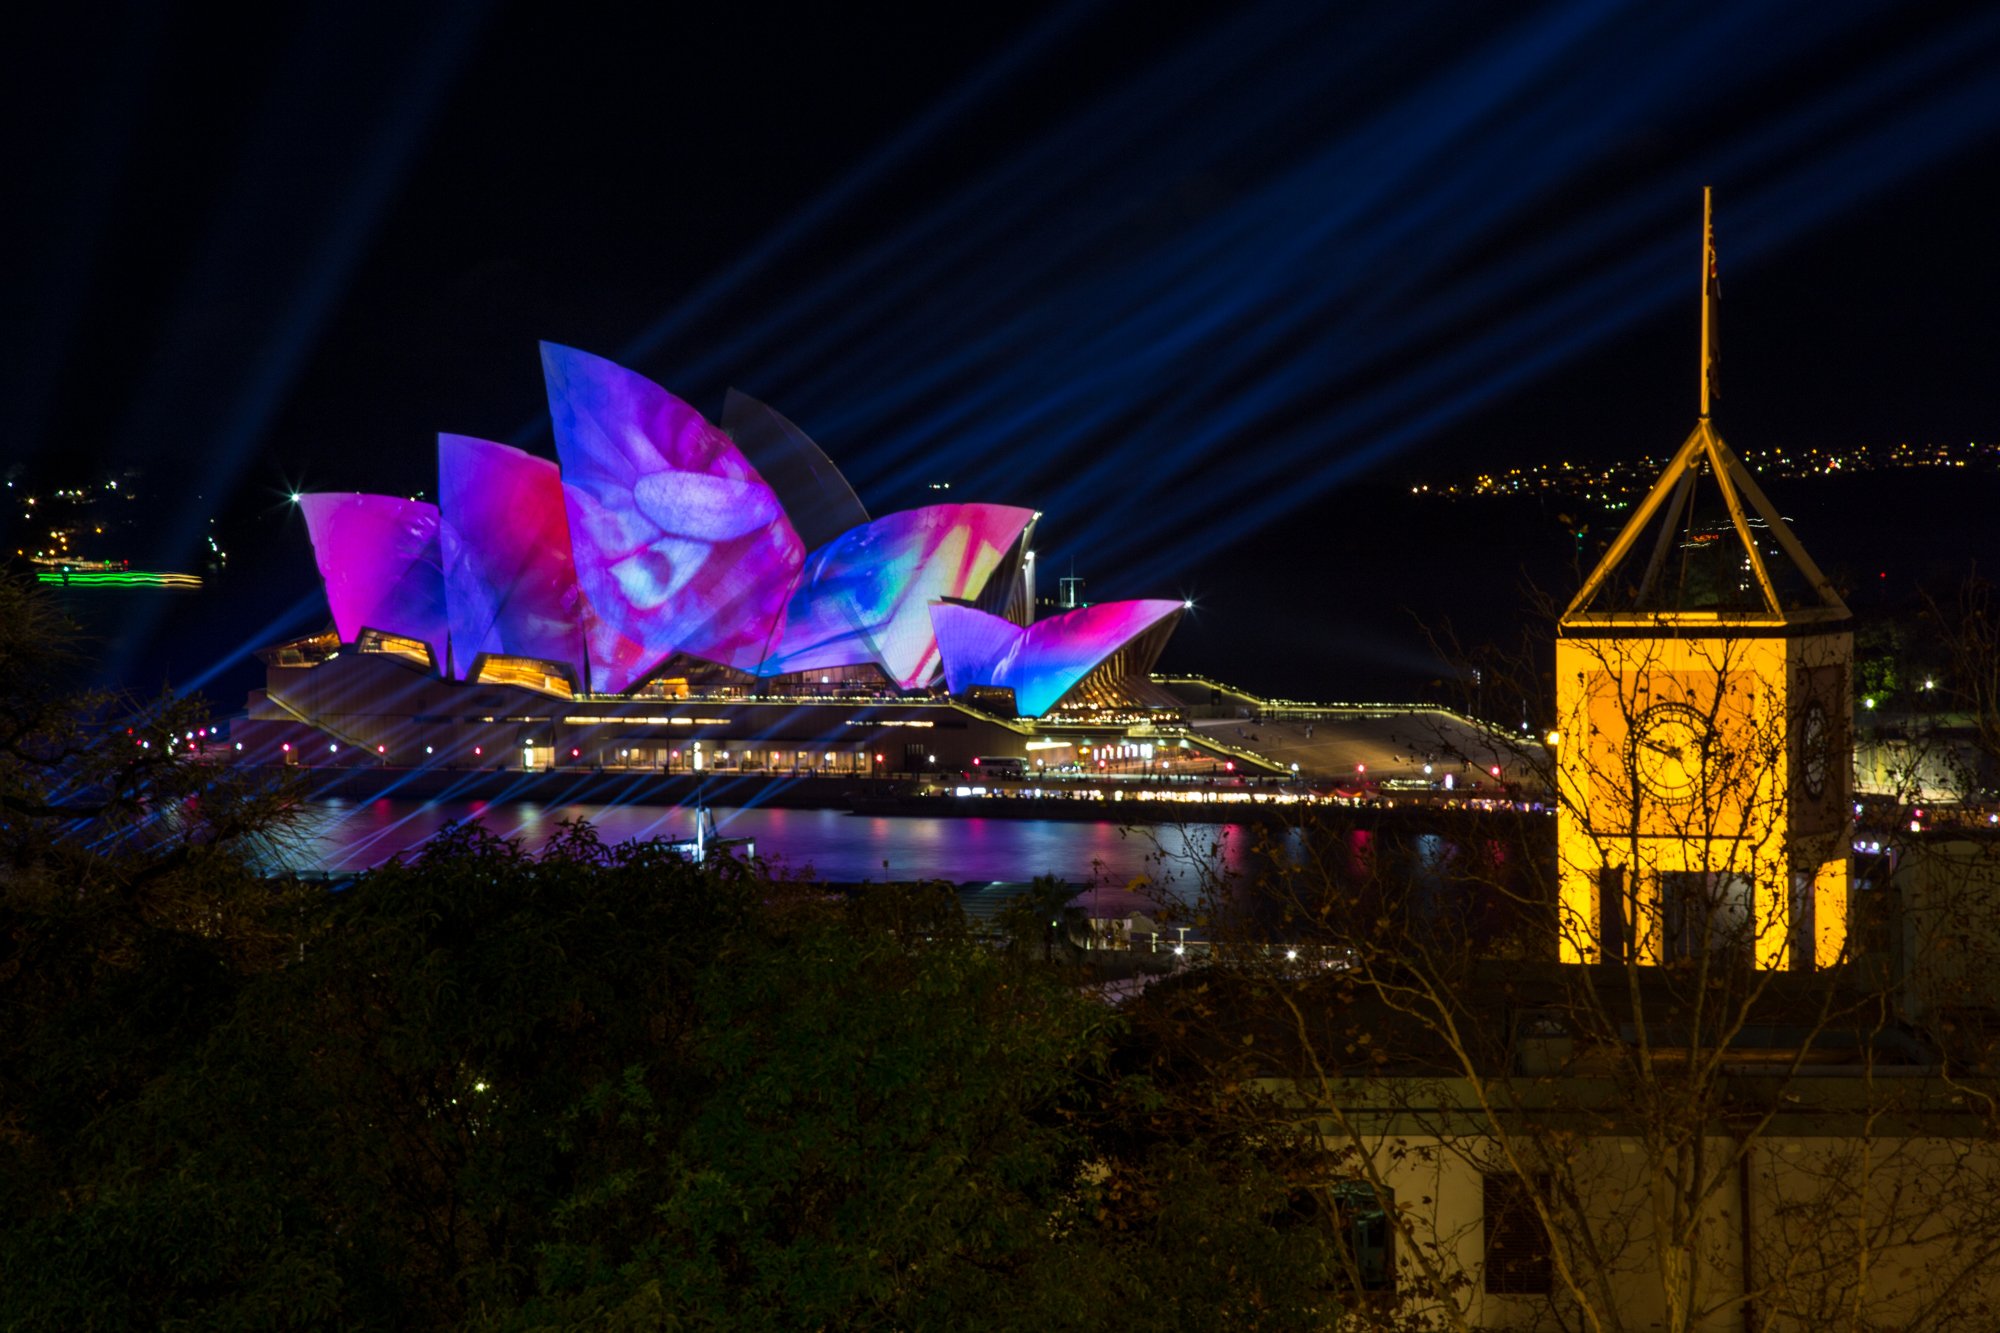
1206 285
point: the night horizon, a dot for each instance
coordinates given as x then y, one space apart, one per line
284 256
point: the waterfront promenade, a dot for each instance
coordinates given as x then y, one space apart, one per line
1125 800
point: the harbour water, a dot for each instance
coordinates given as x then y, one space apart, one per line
342 836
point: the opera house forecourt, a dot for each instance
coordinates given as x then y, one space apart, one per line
673 596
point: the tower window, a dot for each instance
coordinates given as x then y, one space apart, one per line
1706 911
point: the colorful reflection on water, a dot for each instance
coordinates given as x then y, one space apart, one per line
832 845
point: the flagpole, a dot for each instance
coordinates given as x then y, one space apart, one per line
1707 264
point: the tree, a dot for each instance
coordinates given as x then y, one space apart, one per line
1605 1085
129 915
603 1085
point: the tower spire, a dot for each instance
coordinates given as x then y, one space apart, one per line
1711 295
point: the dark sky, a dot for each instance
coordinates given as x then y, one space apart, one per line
1195 281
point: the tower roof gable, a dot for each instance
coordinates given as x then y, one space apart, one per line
1706 546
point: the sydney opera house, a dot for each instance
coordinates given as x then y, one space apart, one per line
668 594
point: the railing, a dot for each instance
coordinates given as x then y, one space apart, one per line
1305 708
318 724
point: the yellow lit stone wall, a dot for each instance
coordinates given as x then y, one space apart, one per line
1684 750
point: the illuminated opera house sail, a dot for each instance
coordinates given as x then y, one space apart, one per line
657 545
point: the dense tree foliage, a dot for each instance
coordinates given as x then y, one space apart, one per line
604 1085
594 1086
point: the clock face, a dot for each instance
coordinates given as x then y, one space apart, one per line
1814 743
1669 752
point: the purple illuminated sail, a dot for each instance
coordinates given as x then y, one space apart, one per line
658 538
1044 661
379 557
679 544
865 596
509 579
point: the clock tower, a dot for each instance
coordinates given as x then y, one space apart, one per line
1703 692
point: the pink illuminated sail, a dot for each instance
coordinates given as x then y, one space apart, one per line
865 596
379 557
509 579
679 545
1044 661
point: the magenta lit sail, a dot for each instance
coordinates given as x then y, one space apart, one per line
654 542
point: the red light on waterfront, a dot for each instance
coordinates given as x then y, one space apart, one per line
575 753
1495 770
477 750
975 762
286 747
381 749
878 758
1229 766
